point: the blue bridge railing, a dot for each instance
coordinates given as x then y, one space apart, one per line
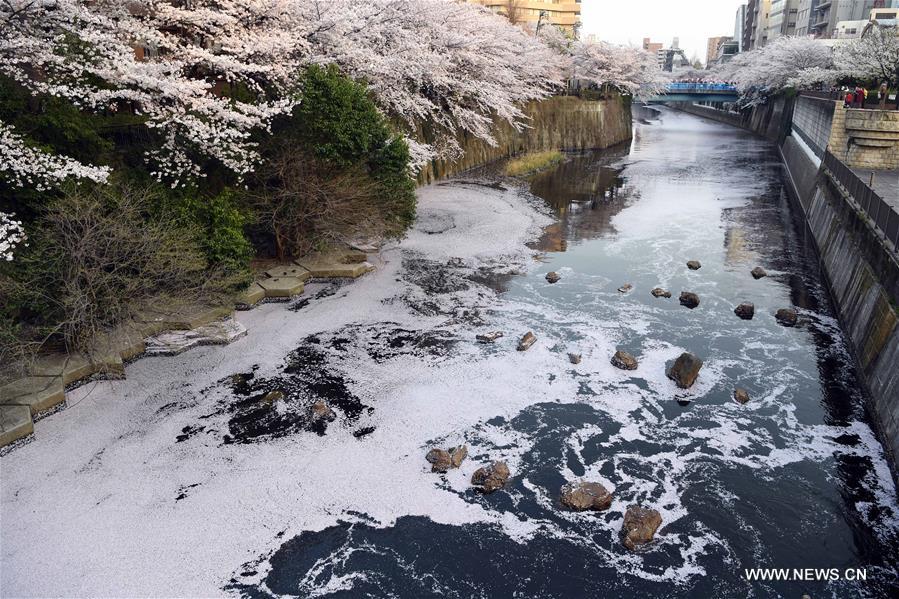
700 87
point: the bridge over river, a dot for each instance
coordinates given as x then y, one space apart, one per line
695 92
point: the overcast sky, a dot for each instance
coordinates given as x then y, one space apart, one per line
629 21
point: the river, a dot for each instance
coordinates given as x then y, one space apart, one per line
180 481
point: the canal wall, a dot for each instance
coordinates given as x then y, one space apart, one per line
770 120
860 266
862 275
559 122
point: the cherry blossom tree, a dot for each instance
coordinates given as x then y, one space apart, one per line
784 62
168 61
11 235
873 56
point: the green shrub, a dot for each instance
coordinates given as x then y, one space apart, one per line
532 162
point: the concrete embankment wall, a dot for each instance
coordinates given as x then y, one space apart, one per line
770 120
862 276
560 122
861 270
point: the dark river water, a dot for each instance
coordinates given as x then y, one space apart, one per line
792 479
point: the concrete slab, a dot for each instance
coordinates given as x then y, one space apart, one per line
331 267
126 341
181 318
74 367
281 286
289 270
15 424
250 296
38 393
171 343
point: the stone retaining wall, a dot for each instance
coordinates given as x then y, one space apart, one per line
865 138
557 123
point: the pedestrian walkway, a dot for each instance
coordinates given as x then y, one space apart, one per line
886 184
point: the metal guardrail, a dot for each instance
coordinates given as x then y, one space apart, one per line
881 214
701 87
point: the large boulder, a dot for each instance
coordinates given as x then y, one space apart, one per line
758 272
624 360
640 526
490 478
440 459
585 496
527 341
787 317
574 358
694 265
552 277
746 310
689 299
659 292
685 370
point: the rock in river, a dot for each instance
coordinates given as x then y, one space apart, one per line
624 360
689 299
746 310
659 292
758 272
553 277
625 288
741 396
490 478
787 317
694 265
440 459
320 411
585 496
272 396
574 358
527 341
640 526
489 337
458 455
685 370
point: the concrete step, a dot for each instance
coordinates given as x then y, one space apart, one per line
250 296
331 267
281 287
38 393
15 424
289 270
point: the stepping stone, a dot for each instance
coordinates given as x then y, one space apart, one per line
289 270
15 424
281 286
250 296
172 343
330 267
38 393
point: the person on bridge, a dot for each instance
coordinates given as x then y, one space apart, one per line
849 99
884 94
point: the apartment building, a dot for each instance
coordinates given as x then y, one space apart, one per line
782 18
531 13
713 46
820 18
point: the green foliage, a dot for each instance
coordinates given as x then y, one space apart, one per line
338 124
219 224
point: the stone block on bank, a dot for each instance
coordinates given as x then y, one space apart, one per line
282 286
15 424
74 367
181 318
250 296
171 343
289 270
38 393
334 266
